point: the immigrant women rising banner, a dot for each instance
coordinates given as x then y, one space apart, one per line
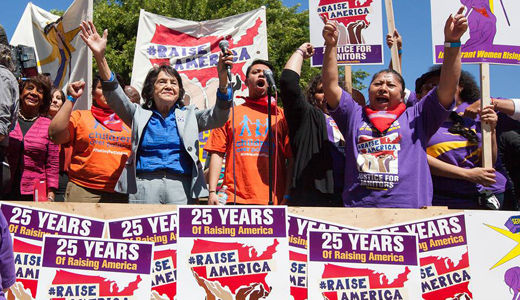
493 30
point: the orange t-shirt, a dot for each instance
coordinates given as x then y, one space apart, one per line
251 167
98 154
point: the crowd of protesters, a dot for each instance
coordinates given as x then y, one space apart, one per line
330 148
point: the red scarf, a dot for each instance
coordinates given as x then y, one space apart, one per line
383 119
107 117
262 102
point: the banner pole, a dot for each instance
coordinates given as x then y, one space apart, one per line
485 99
348 78
396 64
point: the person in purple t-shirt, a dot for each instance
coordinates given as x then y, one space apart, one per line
385 154
454 151
7 269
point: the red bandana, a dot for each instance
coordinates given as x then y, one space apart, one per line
382 119
107 117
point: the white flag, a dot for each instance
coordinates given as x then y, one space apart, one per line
58 46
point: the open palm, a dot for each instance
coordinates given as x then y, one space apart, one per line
94 41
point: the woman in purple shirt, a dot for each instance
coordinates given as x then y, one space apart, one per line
454 151
385 153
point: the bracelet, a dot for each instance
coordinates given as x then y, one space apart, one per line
452 44
301 52
71 99
212 192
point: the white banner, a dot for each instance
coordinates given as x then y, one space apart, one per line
493 30
360 30
192 49
58 46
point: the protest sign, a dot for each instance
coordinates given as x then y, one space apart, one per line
226 252
360 26
161 229
363 265
443 255
494 246
80 268
493 31
298 230
29 225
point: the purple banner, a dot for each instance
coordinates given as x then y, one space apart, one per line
97 255
34 223
197 221
352 55
300 225
363 247
159 229
496 54
444 232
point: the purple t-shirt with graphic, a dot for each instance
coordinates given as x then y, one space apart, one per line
456 150
390 169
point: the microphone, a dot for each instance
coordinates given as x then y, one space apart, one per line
224 47
270 78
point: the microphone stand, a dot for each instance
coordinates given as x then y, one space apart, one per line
230 85
269 95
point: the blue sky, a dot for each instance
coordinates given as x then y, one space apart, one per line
412 18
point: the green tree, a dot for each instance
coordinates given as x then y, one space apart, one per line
287 28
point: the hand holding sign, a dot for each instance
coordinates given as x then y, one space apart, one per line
455 26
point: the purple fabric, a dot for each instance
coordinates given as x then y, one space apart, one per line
388 170
482 25
7 268
464 156
337 154
40 155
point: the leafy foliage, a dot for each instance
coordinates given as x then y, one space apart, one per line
287 28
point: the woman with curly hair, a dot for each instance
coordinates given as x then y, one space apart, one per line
32 156
454 151
315 139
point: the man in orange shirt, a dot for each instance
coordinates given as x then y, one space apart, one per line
251 140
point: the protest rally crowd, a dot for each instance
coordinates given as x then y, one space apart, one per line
406 149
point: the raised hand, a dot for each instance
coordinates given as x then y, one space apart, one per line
76 89
96 43
330 33
396 37
307 50
224 59
455 26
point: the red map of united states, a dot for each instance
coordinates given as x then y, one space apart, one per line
451 284
170 37
245 254
163 288
106 287
25 273
336 10
376 280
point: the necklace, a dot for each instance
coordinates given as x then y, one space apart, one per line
27 119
